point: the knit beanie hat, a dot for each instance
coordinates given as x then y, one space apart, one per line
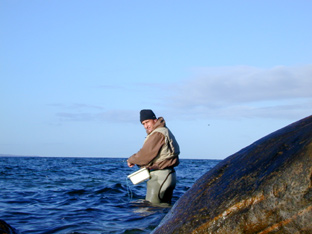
146 114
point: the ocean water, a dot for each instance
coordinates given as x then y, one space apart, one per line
83 195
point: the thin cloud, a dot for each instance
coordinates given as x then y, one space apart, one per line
66 116
113 116
109 87
76 106
118 116
227 93
245 91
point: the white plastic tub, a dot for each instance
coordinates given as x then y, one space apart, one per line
139 176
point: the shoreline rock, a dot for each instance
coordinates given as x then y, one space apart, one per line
264 188
5 228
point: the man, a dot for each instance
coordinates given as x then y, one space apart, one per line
159 154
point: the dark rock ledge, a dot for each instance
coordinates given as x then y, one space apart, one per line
264 188
5 228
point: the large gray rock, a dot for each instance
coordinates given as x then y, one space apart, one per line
264 188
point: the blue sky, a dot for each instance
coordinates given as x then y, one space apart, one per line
75 74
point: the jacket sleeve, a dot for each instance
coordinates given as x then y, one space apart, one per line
149 150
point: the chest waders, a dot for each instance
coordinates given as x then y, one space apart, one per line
160 186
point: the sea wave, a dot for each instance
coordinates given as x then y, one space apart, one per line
82 195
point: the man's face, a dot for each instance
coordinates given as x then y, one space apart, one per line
149 125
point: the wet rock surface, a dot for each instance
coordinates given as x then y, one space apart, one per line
264 188
5 228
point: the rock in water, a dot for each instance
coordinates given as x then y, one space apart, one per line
5 228
264 188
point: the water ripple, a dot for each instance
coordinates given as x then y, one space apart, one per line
82 195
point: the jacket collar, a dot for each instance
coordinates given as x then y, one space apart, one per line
159 123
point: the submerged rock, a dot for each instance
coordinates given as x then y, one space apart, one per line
264 188
5 228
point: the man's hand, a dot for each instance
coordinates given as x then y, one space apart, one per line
130 164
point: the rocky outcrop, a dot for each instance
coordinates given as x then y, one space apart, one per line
264 188
5 228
